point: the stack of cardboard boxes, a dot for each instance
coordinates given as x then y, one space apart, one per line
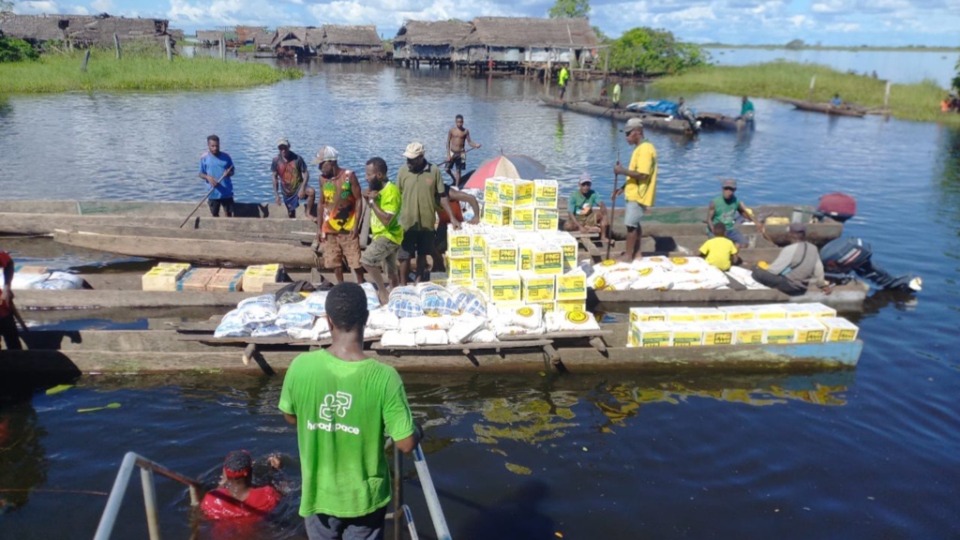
730 325
181 277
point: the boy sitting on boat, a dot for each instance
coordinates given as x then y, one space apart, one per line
720 251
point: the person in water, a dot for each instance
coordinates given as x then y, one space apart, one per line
236 497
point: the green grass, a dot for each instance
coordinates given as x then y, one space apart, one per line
792 80
878 48
61 73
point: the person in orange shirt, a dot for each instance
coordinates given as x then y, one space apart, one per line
8 324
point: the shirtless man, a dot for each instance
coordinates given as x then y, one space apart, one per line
456 156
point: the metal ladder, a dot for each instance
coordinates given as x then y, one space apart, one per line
148 468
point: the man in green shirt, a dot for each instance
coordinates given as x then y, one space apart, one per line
420 184
343 404
585 212
724 209
383 198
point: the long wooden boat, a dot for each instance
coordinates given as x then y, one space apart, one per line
146 351
721 122
826 108
660 123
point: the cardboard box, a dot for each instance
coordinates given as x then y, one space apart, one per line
648 314
738 313
491 191
708 314
460 268
465 283
567 306
196 279
547 219
718 333
480 272
770 312
524 194
537 288
652 334
779 332
820 310
505 289
546 193
526 257
687 334
227 280
839 329
547 307
681 314
498 216
572 286
508 193
547 260
459 243
178 265
258 275
798 311
479 245
502 257
162 278
809 330
522 219
747 332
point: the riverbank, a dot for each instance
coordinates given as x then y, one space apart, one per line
920 102
864 48
62 73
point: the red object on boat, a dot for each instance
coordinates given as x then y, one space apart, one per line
513 166
838 206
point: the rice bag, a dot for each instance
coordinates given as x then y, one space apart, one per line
530 316
469 301
436 301
258 309
559 321
294 315
405 302
431 337
268 330
383 319
316 303
232 325
373 301
464 327
424 322
396 338
483 336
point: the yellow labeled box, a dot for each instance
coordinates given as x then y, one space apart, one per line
708 314
502 257
546 193
460 268
809 331
547 219
718 333
524 194
820 310
196 279
652 334
747 332
508 193
738 313
547 260
566 306
480 269
538 289
226 280
648 314
522 219
459 243
681 314
479 246
572 286
162 278
526 258
770 312
839 329
778 332
687 334
505 289
258 275
491 191
498 216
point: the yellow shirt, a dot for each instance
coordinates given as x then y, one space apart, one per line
718 251
644 161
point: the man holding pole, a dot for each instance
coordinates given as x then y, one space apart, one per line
640 186
216 168
8 323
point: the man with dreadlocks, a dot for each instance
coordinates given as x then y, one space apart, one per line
342 404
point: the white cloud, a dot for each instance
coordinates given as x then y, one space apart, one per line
36 7
843 27
102 6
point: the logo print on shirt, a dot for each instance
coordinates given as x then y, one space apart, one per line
339 404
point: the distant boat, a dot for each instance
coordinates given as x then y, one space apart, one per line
826 108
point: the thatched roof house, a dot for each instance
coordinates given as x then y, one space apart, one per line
291 37
426 40
247 34
349 42
209 37
527 39
263 39
82 30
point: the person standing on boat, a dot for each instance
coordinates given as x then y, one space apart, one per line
236 497
383 198
725 209
343 403
216 168
688 114
290 180
585 211
746 109
420 184
339 230
456 197
640 186
836 101
457 139
562 80
795 267
8 322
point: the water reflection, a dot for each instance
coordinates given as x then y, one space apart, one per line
23 463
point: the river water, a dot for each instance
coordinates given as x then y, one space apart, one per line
866 453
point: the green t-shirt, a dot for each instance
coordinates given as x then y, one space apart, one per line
725 211
577 200
419 191
389 201
343 410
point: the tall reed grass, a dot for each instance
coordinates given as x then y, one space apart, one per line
919 101
61 73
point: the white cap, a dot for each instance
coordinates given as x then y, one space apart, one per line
326 153
414 150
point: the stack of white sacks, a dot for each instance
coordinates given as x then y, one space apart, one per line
665 273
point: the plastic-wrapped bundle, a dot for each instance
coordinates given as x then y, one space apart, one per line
745 277
383 319
483 336
373 301
464 327
431 337
294 316
652 279
319 330
28 280
316 303
396 338
571 321
268 330
232 325
60 281
259 309
405 302
424 322
469 301
436 301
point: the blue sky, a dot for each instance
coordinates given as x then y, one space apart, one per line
830 22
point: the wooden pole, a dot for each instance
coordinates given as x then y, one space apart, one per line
813 82
223 46
116 44
886 95
169 45
86 60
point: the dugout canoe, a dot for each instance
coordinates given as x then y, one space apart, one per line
826 108
721 122
147 351
650 121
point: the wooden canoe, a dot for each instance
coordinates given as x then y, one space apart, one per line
826 108
146 351
660 123
721 122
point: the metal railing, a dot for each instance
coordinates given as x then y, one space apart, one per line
147 470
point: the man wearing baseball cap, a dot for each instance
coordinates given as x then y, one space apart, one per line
795 267
724 209
585 211
339 229
640 186
290 179
420 185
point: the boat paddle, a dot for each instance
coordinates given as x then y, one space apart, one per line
207 196
113 405
613 206
465 152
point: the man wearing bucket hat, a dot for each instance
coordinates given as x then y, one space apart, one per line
339 227
795 267
420 184
290 180
724 209
640 186
586 213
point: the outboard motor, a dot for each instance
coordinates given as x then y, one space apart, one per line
844 256
837 206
